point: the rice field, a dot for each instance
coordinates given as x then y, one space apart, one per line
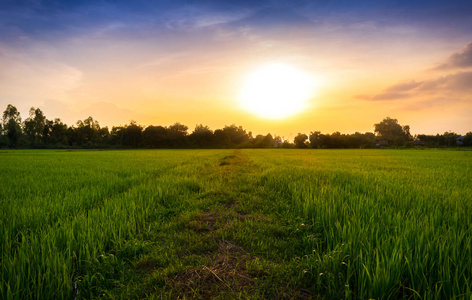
259 224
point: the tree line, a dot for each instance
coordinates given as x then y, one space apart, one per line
39 132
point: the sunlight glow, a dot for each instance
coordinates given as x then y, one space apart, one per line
276 91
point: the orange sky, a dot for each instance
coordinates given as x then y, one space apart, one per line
191 68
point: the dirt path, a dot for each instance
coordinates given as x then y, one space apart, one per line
226 247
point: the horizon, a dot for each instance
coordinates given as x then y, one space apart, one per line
187 61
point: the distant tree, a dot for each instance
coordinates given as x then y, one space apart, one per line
116 136
450 138
367 140
179 129
155 137
263 141
390 129
278 139
177 136
447 139
286 144
232 137
11 125
57 133
34 127
202 137
87 132
132 135
237 135
315 139
3 137
300 140
268 141
221 139
468 139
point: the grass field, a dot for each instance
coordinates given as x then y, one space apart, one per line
259 224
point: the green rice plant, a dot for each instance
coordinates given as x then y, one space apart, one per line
403 217
353 224
61 227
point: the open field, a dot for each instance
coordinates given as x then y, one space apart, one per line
259 224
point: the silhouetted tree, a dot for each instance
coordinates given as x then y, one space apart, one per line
56 133
447 139
116 136
467 141
87 132
391 130
315 139
11 125
300 140
450 138
41 132
132 135
202 137
34 127
155 137
233 136
263 141
177 135
3 137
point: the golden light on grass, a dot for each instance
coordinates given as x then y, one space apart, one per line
276 91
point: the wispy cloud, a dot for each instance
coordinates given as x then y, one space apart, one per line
462 59
454 83
404 86
196 17
458 84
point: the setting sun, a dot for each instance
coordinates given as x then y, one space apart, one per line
276 91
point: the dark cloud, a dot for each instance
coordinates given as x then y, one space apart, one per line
461 59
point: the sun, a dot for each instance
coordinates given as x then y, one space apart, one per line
276 91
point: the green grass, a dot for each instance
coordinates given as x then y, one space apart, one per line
259 224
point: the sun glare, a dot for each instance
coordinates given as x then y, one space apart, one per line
276 91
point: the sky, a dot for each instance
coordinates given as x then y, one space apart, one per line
161 62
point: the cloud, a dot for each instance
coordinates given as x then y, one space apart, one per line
31 76
196 17
403 87
461 59
458 84
454 83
